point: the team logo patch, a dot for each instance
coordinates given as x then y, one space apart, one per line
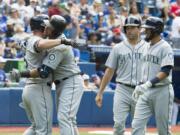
52 57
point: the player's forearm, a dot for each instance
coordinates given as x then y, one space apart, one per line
161 75
48 43
106 79
30 73
34 73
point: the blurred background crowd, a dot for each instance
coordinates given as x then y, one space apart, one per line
99 22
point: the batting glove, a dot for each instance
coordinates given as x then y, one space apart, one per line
140 89
15 75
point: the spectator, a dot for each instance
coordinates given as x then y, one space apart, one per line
115 38
54 9
146 13
4 8
71 30
9 51
175 33
96 80
20 6
175 9
10 29
94 38
96 7
31 7
2 47
76 54
87 84
3 78
133 10
84 7
19 33
123 15
14 17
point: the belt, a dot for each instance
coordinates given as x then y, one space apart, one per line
65 78
128 85
48 83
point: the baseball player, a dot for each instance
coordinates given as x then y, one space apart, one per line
125 60
66 74
69 83
36 95
155 94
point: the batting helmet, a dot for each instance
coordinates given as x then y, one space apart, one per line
37 22
156 26
154 23
57 23
132 21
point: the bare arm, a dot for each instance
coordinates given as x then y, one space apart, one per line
48 43
106 78
34 73
161 75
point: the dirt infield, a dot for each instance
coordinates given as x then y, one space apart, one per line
6 129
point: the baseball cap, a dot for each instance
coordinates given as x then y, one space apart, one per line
117 30
85 77
94 76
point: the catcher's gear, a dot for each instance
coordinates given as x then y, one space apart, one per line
132 21
57 23
37 22
156 26
140 89
15 75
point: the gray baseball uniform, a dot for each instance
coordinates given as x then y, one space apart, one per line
159 99
126 60
69 87
36 95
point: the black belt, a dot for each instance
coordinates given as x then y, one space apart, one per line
65 78
128 85
48 83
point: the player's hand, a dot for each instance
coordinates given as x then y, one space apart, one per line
67 41
140 89
137 92
98 99
15 75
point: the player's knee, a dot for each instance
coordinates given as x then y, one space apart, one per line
65 120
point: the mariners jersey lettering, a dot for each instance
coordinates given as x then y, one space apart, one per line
33 58
127 61
61 59
156 57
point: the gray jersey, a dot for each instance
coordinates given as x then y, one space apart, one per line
126 60
34 58
62 57
156 57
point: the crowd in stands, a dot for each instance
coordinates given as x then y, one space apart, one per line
99 22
